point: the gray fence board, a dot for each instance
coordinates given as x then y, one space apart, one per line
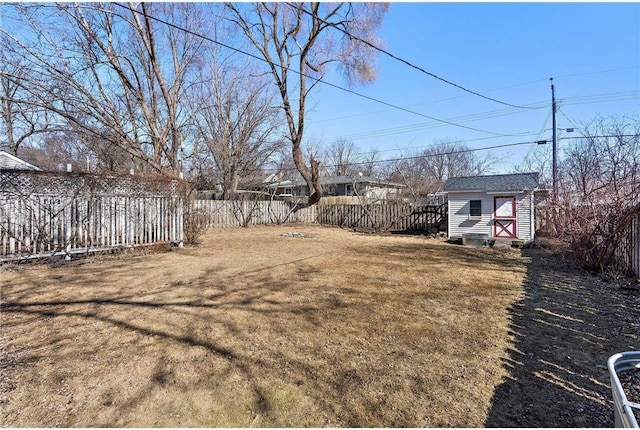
241 213
384 217
551 221
43 213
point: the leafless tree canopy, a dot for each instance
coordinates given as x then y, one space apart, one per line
18 122
236 122
343 158
599 190
109 72
426 171
298 41
146 85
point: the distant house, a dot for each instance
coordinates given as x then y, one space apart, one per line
11 162
365 187
346 189
498 206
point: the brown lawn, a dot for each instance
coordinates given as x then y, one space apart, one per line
254 329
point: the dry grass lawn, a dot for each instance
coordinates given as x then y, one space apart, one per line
252 328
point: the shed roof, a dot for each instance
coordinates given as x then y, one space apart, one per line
489 183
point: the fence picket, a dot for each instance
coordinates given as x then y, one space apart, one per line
44 212
227 214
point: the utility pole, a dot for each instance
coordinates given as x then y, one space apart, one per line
555 141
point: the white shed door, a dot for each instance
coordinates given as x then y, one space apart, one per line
505 207
504 217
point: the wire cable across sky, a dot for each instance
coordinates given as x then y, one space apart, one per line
420 69
320 80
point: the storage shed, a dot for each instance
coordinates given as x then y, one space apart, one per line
498 207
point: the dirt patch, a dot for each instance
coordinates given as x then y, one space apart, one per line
331 328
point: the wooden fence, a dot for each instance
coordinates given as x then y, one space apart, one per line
627 252
380 217
544 220
385 217
44 213
243 213
551 221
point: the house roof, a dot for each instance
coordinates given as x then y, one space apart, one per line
493 183
348 179
333 180
11 162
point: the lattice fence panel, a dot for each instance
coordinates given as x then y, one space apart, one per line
44 213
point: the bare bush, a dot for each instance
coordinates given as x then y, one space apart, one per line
599 192
194 223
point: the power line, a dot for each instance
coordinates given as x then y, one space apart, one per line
593 98
539 135
611 98
468 117
568 119
484 148
432 144
542 103
462 151
598 71
381 101
311 77
415 157
395 57
605 136
459 151
428 125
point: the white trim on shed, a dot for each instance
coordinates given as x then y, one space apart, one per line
491 191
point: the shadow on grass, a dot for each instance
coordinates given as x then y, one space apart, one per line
564 330
216 321
250 293
328 347
433 250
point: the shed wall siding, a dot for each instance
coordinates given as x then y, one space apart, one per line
459 222
525 217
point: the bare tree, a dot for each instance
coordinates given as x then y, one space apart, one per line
18 121
237 122
427 171
599 191
55 150
370 165
111 71
300 39
107 156
538 160
343 158
282 163
447 158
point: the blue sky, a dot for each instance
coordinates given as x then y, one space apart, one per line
507 51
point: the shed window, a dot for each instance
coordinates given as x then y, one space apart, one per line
475 208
